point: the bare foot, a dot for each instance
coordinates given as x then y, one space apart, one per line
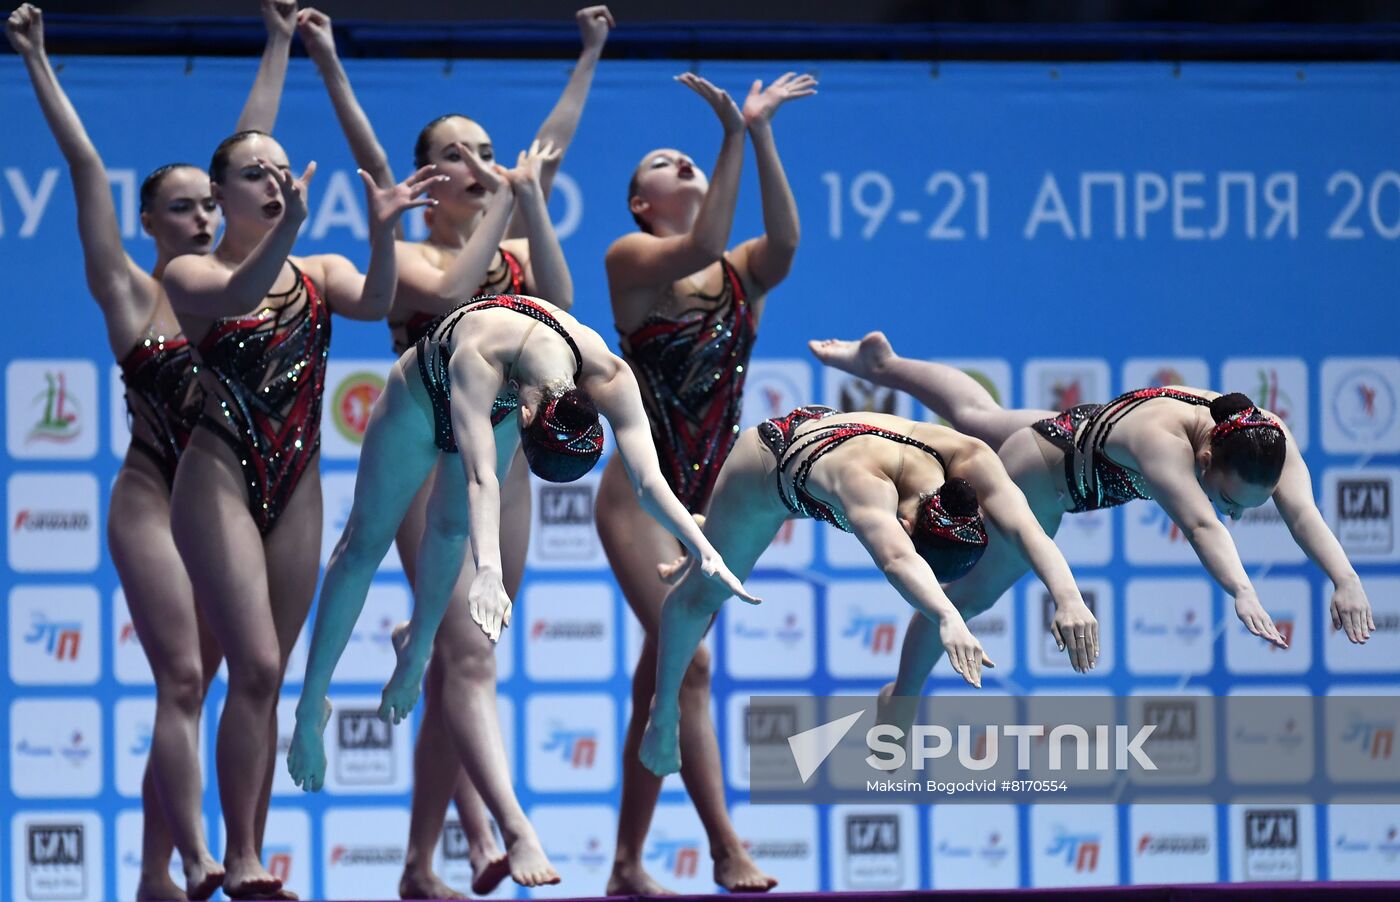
158 886
897 710
489 867
248 879
425 885
306 759
202 877
661 750
737 873
864 358
633 880
529 866
401 692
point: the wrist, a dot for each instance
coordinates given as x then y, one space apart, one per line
1348 580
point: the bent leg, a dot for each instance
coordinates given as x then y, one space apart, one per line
948 391
395 459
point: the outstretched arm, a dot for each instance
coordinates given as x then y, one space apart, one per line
619 399
640 260
260 110
1168 464
769 256
870 502
1350 608
1005 506
314 27
594 23
110 272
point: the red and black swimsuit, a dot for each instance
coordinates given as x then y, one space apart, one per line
693 368
434 352
508 278
1094 481
268 372
163 399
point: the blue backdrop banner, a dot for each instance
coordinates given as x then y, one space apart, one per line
1061 232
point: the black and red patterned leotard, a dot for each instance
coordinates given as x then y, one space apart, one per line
779 435
692 368
163 399
1094 481
267 373
434 353
508 278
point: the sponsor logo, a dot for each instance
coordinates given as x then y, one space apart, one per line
566 505
278 861
875 634
366 748
59 639
769 724
1373 738
789 633
566 629
1364 523
1173 844
1363 405
578 748
992 851
1156 518
76 751
1188 628
353 401
1288 738
857 395
1271 843
873 851
1271 396
775 849
55 861
679 858
31 520
454 842
58 412
373 856
1080 850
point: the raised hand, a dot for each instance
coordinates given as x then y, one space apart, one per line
594 23
964 651
293 189
25 29
492 178
763 102
718 99
526 174
1077 631
280 16
386 205
317 37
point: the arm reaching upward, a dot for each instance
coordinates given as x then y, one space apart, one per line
260 110
314 27
111 275
548 268
640 260
769 256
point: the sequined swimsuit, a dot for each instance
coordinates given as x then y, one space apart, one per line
434 350
1094 481
508 278
777 435
163 399
268 371
693 367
